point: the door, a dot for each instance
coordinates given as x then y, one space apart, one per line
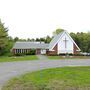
38 51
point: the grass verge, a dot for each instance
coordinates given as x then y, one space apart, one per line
66 78
17 58
68 57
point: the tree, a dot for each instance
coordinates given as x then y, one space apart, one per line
37 39
57 31
42 39
3 37
16 39
32 39
82 40
28 39
9 46
48 39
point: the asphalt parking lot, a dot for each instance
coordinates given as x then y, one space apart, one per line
11 69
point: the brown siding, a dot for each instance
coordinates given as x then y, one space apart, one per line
75 49
53 52
13 51
38 51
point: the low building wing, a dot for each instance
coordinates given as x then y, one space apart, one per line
29 45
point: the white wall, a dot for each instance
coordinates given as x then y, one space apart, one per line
61 45
43 51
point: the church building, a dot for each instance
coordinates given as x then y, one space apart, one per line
60 44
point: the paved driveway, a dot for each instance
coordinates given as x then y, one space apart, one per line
11 69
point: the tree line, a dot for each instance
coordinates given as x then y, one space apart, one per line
6 42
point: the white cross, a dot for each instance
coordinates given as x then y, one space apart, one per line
65 42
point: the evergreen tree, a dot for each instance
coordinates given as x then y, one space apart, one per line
3 37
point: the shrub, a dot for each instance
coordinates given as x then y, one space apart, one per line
19 54
78 55
70 54
32 52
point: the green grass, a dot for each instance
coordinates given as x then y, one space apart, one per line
68 57
66 78
17 58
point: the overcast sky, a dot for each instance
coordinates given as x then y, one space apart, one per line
38 18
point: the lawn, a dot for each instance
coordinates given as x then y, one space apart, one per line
17 58
65 78
68 57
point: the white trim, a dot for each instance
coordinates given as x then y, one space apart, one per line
51 50
57 41
77 50
73 41
69 37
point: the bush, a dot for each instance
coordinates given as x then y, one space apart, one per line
32 52
9 54
19 54
67 54
78 55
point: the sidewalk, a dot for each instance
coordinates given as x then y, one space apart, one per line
42 57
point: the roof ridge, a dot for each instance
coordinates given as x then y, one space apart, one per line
55 39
